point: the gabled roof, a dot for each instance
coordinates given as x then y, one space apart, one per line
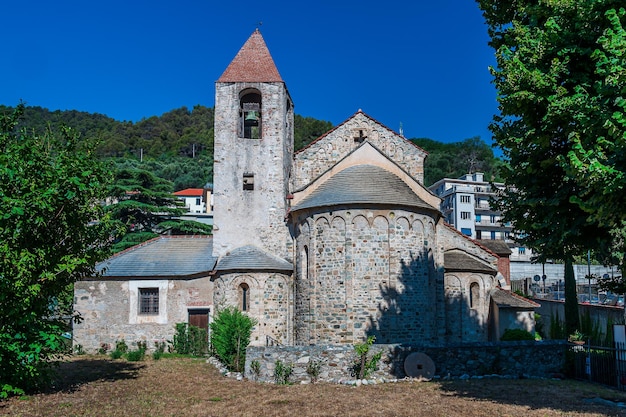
253 63
508 299
252 258
457 260
363 184
190 192
359 113
171 257
499 247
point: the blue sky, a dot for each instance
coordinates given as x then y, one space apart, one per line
421 64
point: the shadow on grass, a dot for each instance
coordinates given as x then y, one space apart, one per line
568 395
76 372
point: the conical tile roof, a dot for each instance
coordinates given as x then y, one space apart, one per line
253 63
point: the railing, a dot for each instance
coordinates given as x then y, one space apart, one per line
270 341
603 365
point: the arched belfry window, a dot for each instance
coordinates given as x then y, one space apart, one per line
250 115
244 297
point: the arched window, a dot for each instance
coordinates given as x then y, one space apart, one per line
474 295
304 263
250 115
244 296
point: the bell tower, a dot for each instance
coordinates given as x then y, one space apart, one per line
253 154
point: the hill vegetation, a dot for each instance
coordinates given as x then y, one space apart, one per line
178 145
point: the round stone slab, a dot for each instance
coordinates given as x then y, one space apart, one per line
419 365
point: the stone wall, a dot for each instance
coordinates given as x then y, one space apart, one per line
252 217
364 272
110 310
270 302
512 359
324 153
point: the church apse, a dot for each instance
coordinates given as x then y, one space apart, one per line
365 271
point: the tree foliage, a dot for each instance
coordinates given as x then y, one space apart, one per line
307 129
144 207
52 232
553 99
454 159
230 335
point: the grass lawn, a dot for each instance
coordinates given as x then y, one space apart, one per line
99 386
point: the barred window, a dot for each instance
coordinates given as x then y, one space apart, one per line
148 301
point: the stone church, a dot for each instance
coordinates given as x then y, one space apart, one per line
330 244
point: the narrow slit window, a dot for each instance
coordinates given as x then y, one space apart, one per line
244 295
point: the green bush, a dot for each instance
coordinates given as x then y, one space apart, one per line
230 335
189 340
362 367
282 372
516 334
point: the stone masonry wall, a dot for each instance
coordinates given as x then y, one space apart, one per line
513 359
110 310
321 155
252 217
270 303
363 272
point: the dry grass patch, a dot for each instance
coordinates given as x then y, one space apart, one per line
97 386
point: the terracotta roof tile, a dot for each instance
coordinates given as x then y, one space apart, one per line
253 63
190 192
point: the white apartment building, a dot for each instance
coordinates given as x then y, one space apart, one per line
465 205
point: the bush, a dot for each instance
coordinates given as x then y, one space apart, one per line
189 340
230 335
159 350
516 334
362 366
282 373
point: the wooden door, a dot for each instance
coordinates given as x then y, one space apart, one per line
199 318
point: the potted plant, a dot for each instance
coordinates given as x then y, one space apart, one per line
577 338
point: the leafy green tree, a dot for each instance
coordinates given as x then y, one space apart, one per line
548 96
143 205
52 233
307 129
452 160
230 335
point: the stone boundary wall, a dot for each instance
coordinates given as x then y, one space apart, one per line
526 359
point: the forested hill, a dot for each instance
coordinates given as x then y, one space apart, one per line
165 142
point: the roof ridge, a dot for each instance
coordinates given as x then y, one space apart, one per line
359 111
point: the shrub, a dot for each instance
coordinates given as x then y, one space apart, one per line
78 349
313 369
282 372
189 340
362 366
159 350
121 346
255 369
116 354
104 348
516 334
230 335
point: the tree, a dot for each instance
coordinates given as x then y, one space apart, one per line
52 233
144 207
454 159
546 81
230 335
